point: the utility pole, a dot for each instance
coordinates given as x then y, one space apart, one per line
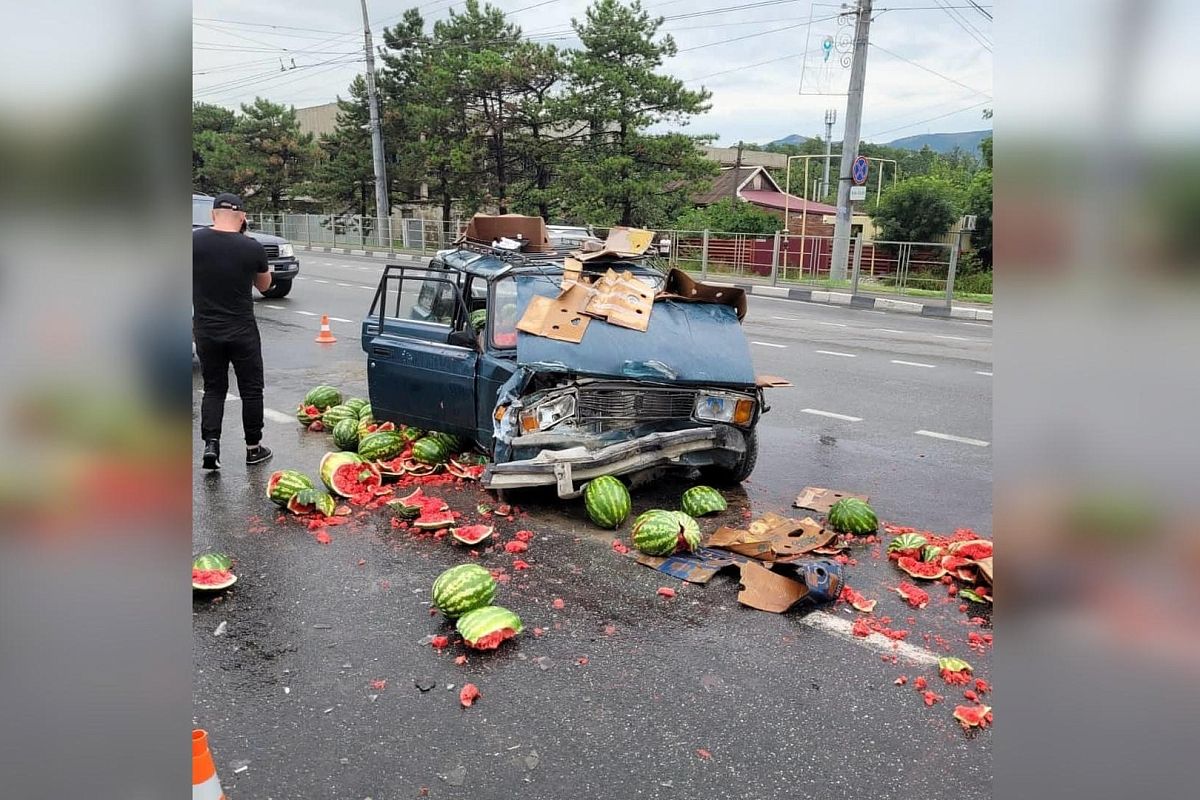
858 79
737 171
382 217
830 118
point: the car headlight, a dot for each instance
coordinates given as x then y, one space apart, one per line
547 414
724 408
286 251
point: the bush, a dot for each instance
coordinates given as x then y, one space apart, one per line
729 216
976 283
916 209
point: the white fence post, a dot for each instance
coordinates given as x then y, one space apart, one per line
704 256
775 260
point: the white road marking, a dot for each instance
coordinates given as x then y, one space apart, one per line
890 330
821 413
835 353
790 319
277 308
834 324
771 344
372 288
345 284
913 363
978 324
278 416
340 319
872 311
949 438
305 313
981 372
956 338
365 269
318 280
843 628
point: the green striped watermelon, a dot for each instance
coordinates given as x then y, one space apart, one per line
607 501
411 434
365 412
307 415
212 571
478 318
323 397
485 628
307 501
450 442
212 561
347 474
345 435
657 532
851 515
429 451
907 542
463 588
357 403
381 445
335 414
700 500
284 483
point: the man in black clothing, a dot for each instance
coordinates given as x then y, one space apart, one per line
225 265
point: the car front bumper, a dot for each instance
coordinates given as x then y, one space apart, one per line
284 268
569 468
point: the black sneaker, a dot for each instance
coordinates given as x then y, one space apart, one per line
258 454
212 454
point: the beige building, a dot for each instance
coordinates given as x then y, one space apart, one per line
318 120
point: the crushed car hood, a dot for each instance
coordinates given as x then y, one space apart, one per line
697 343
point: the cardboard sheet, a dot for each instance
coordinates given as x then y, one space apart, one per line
556 318
621 243
771 381
765 590
681 286
695 567
487 228
821 500
774 538
621 299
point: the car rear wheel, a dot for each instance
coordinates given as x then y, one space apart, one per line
731 476
278 289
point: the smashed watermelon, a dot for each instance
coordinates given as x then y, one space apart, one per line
350 480
914 596
471 534
471 472
391 468
212 579
973 717
920 569
857 600
975 550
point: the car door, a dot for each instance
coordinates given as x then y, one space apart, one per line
421 354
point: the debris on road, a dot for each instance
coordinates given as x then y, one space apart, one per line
468 694
820 500
666 591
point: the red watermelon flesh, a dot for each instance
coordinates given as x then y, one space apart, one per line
492 640
392 468
915 596
385 426
920 569
212 578
976 550
472 534
354 479
973 716
952 562
433 520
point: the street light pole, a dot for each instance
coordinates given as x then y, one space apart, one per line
830 119
854 101
382 215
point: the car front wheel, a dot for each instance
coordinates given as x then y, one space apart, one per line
731 476
278 289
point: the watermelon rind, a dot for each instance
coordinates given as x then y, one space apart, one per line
851 515
208 561
931 552
434 521
607 501
410 434
365 412
306 414
212 587
656 532
323 397
952 664
689 530
485 628
310 500
920 569
700 500
330 463
404 510
356 403
284 483
972 716
345 435
461 589
472 534
907 541
381 445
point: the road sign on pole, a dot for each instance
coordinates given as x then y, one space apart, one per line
858 193
858 172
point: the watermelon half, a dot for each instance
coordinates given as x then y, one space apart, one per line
468 472
349 474
472 534
920 569
485 628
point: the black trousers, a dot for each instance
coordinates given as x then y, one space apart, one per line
216 352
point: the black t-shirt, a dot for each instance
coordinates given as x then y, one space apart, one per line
223 268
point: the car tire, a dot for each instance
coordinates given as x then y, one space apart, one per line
278 289
731 476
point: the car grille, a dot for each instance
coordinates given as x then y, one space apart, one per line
272 250
625 408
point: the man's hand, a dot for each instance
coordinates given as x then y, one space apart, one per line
262 281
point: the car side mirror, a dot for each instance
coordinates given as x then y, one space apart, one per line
461 339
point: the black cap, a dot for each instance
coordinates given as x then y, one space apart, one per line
230 202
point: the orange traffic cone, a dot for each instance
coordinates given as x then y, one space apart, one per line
205 785
325 336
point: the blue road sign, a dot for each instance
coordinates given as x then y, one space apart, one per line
859 171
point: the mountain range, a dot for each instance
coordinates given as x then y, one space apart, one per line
938 142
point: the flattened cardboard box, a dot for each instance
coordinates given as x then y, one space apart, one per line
820 500
621 300
559 318
487 228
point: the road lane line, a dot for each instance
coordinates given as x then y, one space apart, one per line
834 324
318 280
981 372
277 308
956 338
340 319
278 416
949 438
872 311
789 319
890 330
305 313
913 363
831 414
835 353
345 284
843 628
771 344
978 324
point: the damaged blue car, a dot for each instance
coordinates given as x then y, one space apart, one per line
444 353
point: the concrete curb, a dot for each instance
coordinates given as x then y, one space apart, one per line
867 301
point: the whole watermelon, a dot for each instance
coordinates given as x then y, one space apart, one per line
463 588
657 532
450 442
607 501
411 434
851 515
429 451
365 412
381 445
284 483
689 532
323 397
485 628
700 500
345 435
478 318
356 403
335 414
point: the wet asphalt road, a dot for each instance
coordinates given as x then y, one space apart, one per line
624 694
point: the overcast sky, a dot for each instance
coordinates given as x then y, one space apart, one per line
755 82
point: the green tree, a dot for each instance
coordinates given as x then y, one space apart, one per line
544 135
622 174
344 176
215 162
279 156
729 216
916 209
208 117
979 203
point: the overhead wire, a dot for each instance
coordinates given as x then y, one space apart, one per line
930 70
877 134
